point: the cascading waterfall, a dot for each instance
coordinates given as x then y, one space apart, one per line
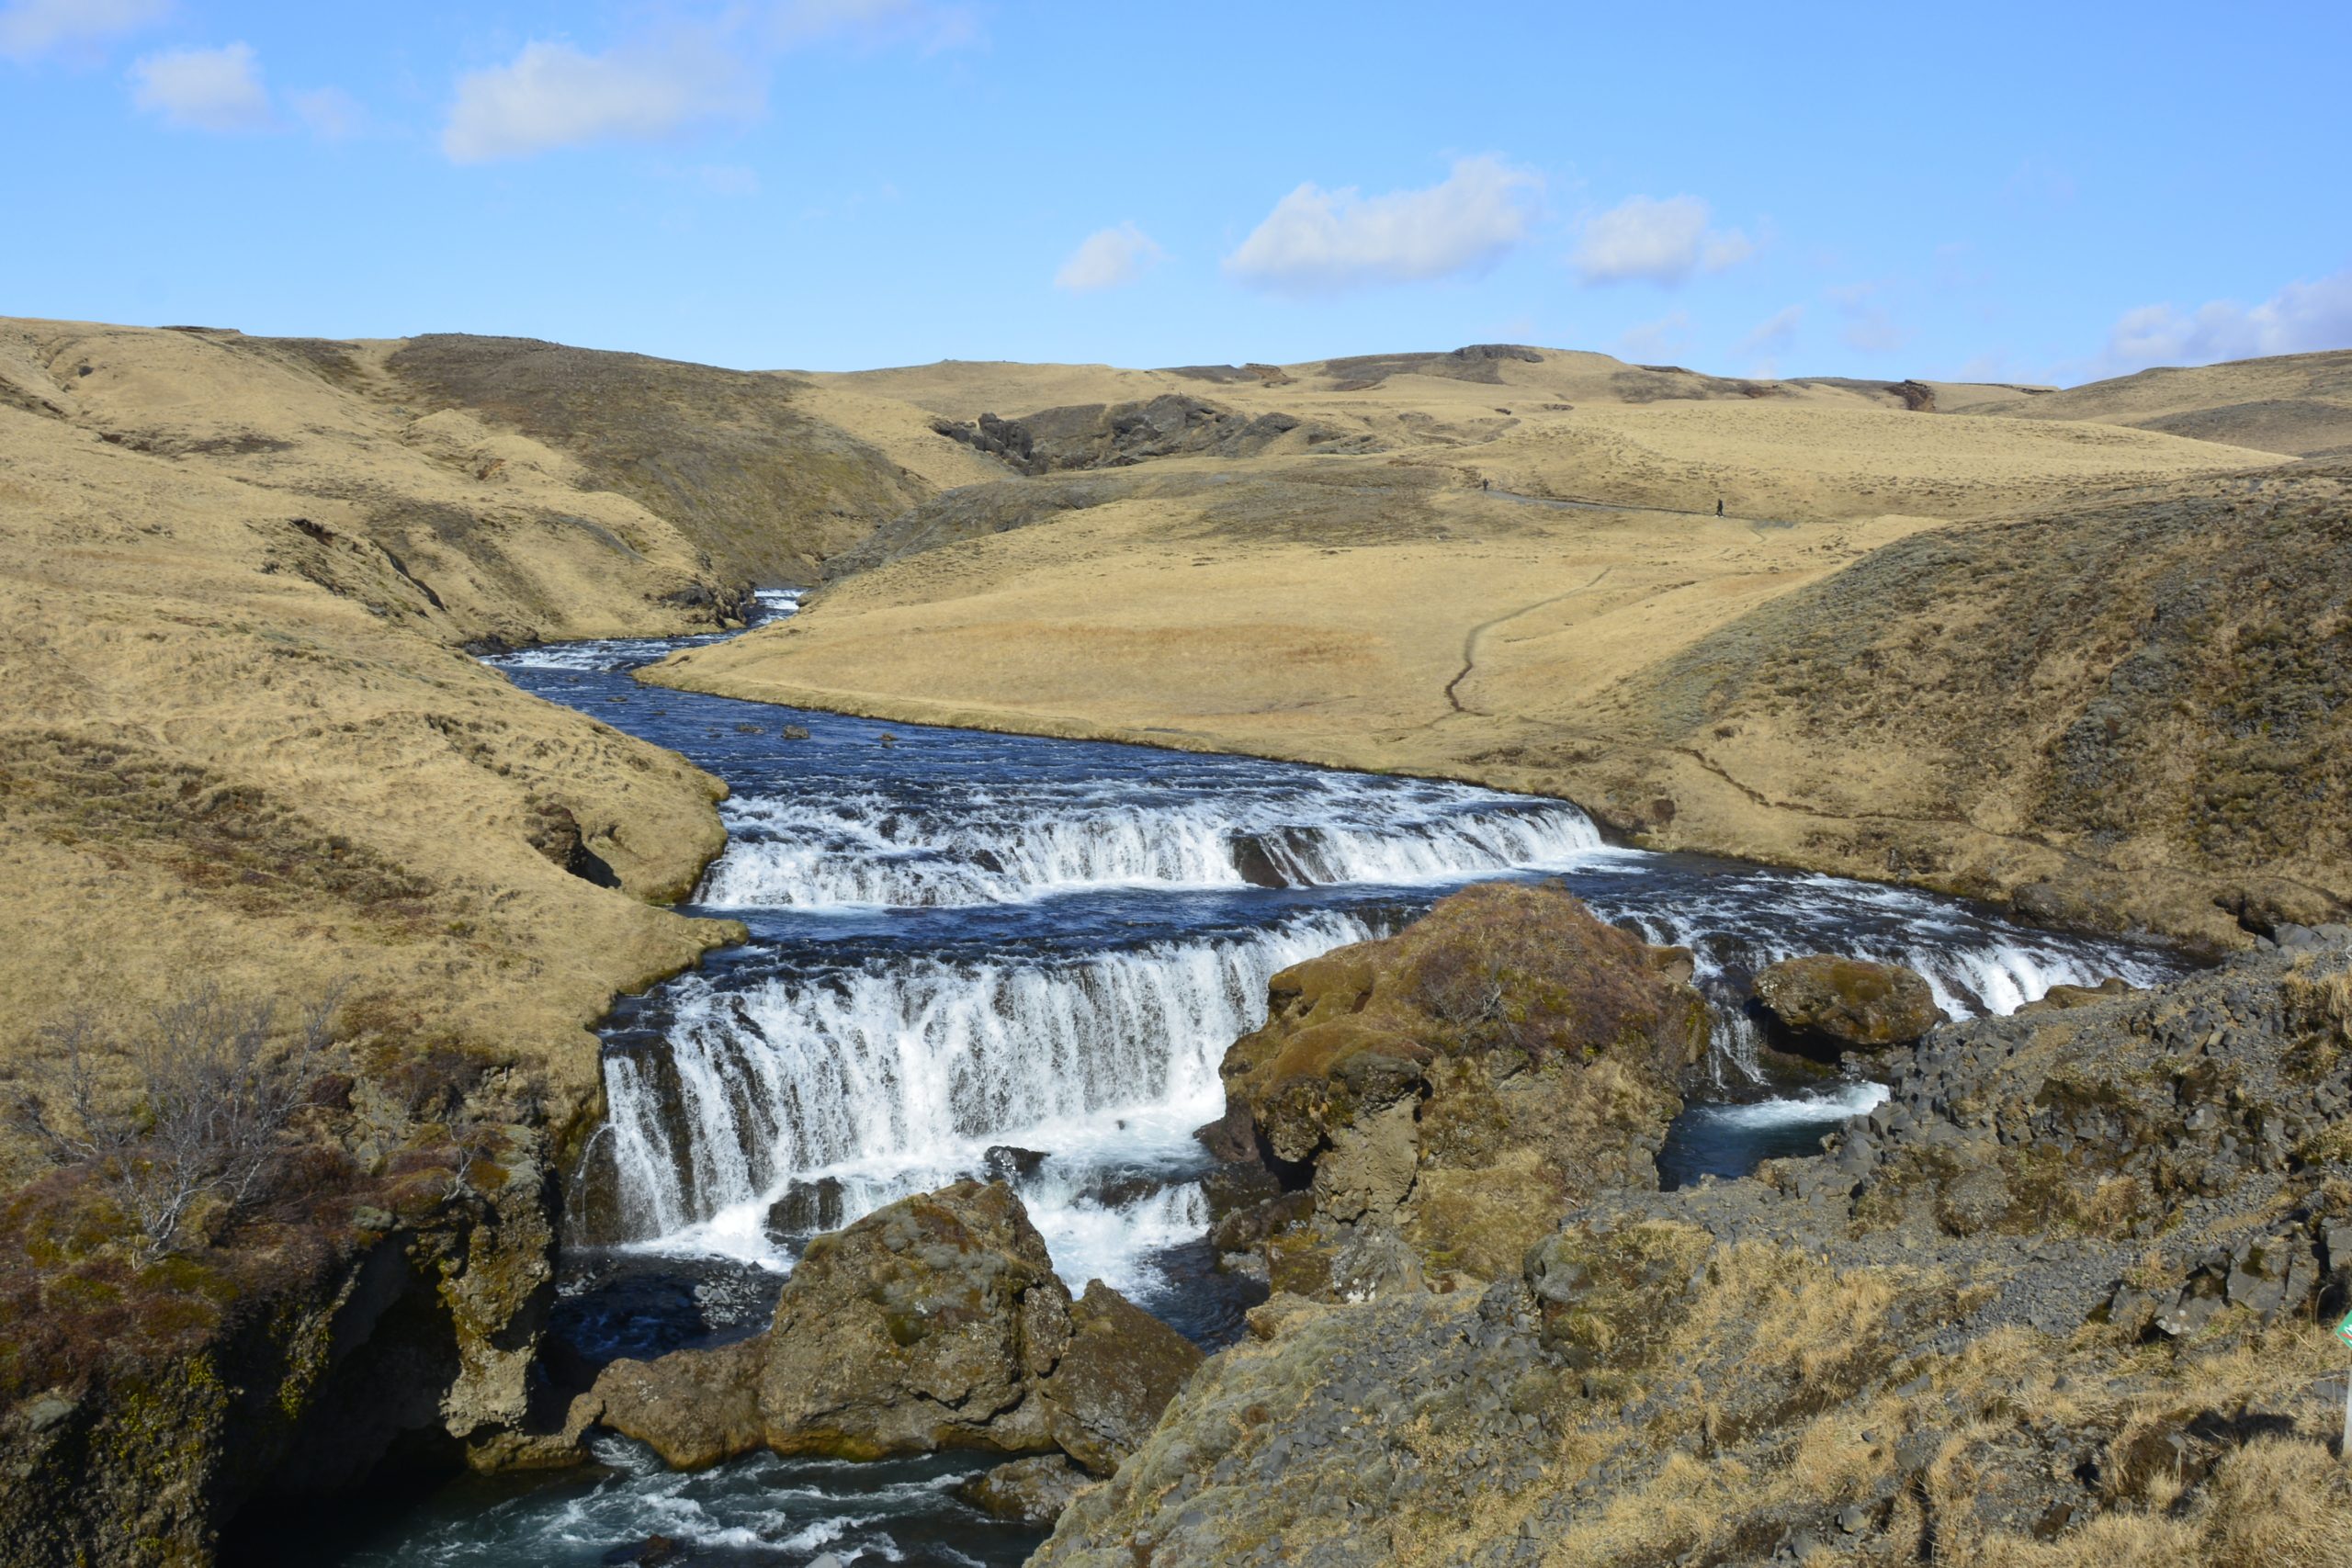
973 850
961 939
924 1065
966 939
1975 972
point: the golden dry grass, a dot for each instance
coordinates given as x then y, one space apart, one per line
245 748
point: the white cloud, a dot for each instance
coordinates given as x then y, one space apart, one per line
1107 258
1656 340
1659 240
2299 318
1773 332
328 113
1317 241
923 24
29 29
553 96
203 89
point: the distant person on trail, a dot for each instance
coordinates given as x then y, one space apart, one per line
1484 483
1719 506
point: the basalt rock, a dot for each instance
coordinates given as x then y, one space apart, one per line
1847 1004
1027 1491
692 1407
1005 1163
807 1208
402 1316
1456 1086
2058 998
935 1323
1121 1368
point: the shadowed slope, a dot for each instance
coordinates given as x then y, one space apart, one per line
735 461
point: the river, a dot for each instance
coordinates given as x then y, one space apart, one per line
965 944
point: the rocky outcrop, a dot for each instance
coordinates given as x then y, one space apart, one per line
1478 362
924 1326
935 1323
2065 1301
1099 435
694 1407
401 1310
1437 1095
1828 1003
1118 1370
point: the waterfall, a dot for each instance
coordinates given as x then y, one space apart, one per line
914 1067
970 850
1976 969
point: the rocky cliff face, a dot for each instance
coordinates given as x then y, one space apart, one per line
388 1305
1099 435
1436 1095
2063 1301
243 741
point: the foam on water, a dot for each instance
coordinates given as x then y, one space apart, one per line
1805 1110
762 1509
976 847
888 1074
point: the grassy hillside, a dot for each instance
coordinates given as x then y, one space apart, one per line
2297 403
736 462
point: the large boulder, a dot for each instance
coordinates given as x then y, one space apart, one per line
692 1407
1826 1002
1456 1086
1121 1368
924 1326
935 1323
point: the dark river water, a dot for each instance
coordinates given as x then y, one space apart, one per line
962 941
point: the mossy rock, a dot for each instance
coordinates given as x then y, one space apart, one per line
1847 1004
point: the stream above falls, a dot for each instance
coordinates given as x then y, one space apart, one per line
974 953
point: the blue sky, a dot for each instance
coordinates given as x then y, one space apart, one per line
2050 192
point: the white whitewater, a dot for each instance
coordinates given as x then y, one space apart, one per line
1975 975
891 1075
973 850
891 1072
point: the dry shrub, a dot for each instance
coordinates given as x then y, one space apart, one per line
2275 1502
192 1107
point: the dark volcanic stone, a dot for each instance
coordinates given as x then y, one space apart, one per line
1003 1162
806 1208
